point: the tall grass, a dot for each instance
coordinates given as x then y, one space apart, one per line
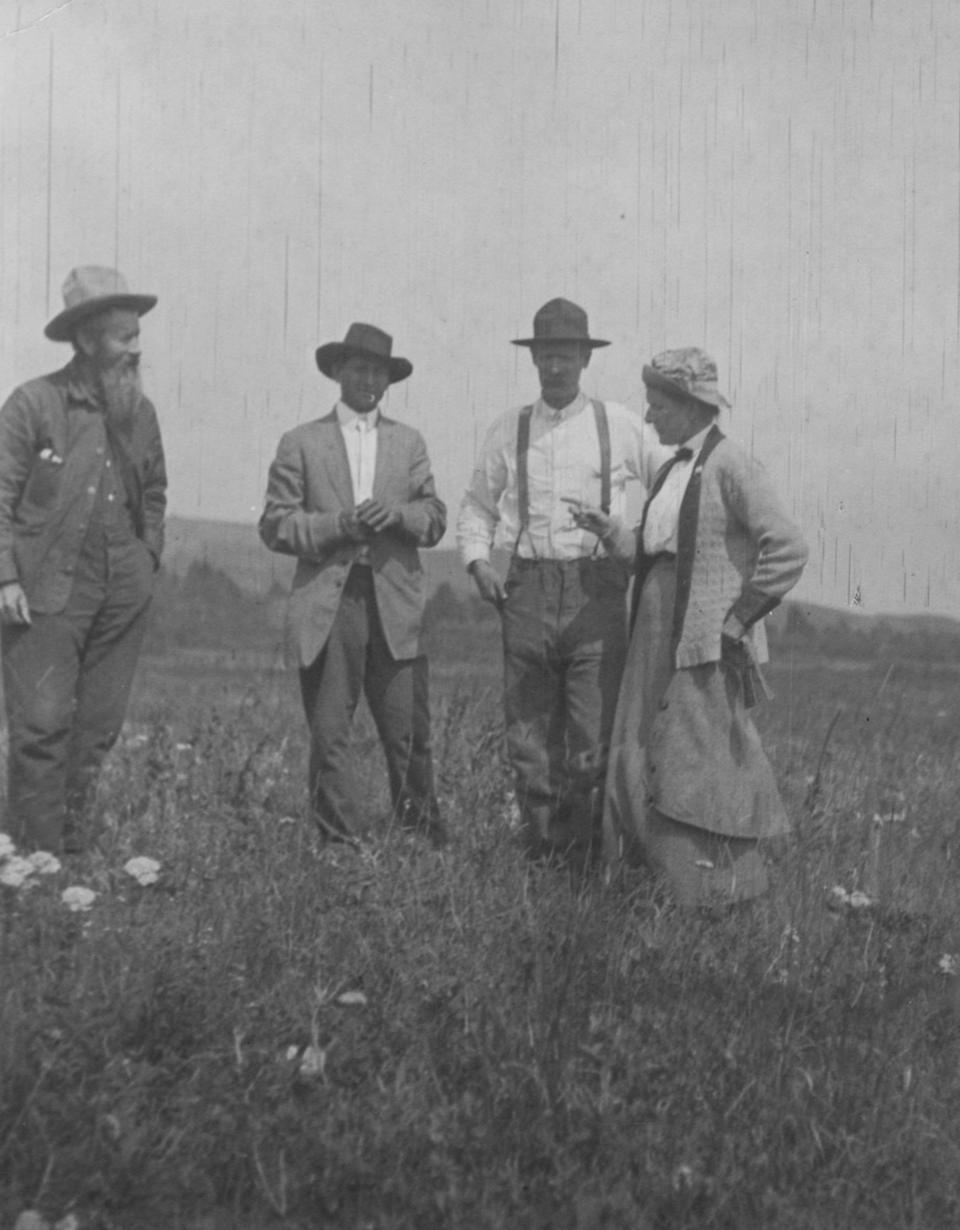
281 1033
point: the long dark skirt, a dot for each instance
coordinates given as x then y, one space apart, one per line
689 788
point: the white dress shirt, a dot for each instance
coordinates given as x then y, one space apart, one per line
563 460
663 515
360 438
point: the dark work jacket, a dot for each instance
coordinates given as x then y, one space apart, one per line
53 447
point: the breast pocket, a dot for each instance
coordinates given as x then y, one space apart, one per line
44 484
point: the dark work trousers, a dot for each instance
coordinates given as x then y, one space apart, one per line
356 659
564 647
66 680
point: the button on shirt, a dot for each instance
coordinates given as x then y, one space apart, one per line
563 460
663 514
110 517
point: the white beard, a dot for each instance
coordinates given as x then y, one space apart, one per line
122 390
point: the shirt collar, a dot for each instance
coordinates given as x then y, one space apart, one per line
564 412
695 443
348 417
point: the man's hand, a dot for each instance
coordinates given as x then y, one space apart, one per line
13 604
376 517
587 517
351 528
488 582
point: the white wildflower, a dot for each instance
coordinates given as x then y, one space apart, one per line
44 863
15 870
291 1053
313 1062
682 1179
352 997
949 965
144 870
704 864
70 1222
78 899
892 817
30 1219
6 845
856 900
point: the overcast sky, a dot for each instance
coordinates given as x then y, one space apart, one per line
775 180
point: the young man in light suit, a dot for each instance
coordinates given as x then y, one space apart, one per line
351 495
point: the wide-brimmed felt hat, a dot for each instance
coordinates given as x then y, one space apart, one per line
363 340
687 372
89 290
561 321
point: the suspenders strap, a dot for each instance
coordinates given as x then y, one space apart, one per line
603 435
523 485
523 448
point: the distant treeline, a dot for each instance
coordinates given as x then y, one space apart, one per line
865 638
205 608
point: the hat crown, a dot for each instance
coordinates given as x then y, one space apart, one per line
561 320
363 339
688 365
689 370
91 282
368 339
88 290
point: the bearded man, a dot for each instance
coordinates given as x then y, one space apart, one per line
82 501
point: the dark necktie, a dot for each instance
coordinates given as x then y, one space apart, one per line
682 454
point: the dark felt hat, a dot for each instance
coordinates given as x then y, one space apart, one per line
89 290
364 340
561 321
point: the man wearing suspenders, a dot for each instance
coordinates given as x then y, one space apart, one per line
563 605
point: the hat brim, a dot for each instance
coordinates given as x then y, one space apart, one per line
330 356
594 343
712 398
62 327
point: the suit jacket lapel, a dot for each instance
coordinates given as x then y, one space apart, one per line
333 453
386 459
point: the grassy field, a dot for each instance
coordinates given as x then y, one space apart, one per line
280 1034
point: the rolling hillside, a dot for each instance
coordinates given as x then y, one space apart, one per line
236 550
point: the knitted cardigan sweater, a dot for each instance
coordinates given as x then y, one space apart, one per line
738 554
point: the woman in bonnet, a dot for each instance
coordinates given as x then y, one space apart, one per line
689 788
